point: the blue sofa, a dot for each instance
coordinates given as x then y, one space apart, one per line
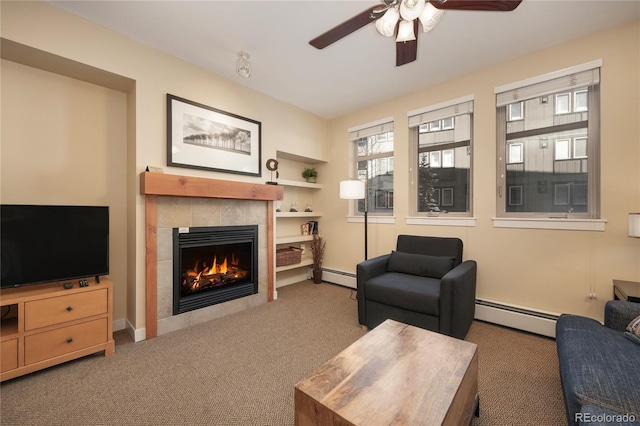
600 367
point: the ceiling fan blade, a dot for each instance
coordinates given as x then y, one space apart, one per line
407 51
489 5
344 29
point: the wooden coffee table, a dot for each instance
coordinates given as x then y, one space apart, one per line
396 374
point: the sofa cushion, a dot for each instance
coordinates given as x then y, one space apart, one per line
412 292
420 264
598 367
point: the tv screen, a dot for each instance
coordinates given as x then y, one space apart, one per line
52 243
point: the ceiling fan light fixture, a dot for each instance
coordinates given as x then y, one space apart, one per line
411 9
243 66
430 17
386 25
405 31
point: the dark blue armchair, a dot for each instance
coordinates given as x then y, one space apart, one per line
424 283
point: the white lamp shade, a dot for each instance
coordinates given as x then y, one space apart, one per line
634 225
405 31
386 25
352 189
411 9
430 17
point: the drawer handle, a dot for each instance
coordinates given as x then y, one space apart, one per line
69 339
69 308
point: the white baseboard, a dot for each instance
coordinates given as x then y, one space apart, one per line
339 277
518 317
119 324
137 335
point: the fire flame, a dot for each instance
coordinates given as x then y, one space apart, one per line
203 275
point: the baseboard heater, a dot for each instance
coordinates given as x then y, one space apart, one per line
339 277
518 317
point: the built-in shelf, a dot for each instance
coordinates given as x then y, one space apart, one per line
289 223
298 158
299 184
298 214
304 262
294 239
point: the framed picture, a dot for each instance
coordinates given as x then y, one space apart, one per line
206 138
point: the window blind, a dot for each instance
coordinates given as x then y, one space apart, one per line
570 81
370 129
427 115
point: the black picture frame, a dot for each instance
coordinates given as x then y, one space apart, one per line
206 138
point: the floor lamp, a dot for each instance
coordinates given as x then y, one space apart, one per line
354 189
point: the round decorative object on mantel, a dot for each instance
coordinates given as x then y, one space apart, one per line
272 166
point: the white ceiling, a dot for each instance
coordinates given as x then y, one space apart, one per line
358 70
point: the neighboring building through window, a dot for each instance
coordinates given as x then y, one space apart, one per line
374 164
549 159
441 136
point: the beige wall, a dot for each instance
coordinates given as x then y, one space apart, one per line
63 142
541 269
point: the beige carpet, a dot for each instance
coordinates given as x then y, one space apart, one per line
241 370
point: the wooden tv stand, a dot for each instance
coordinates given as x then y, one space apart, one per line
46 324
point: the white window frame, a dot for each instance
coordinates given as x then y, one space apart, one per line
577 108
575 146
520 153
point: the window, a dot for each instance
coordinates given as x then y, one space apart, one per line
549 162
575 101
515 153
562 103
562 149
515 111
580 101
438 125
441 160
374 164
580 148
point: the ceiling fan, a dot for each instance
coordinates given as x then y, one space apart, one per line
400 18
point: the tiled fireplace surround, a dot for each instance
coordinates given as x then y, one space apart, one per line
176 201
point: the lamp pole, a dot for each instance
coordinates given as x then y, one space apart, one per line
366 223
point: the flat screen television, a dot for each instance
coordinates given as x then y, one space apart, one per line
41 244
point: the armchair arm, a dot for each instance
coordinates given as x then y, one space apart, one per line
619 313
458 299
366 270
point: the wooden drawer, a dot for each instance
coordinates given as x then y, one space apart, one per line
42 346
8 355
58 310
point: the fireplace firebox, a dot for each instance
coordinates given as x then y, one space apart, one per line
213 264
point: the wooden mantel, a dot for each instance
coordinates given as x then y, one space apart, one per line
153 185
187 186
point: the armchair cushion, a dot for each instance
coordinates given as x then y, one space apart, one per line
420 264
410 292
